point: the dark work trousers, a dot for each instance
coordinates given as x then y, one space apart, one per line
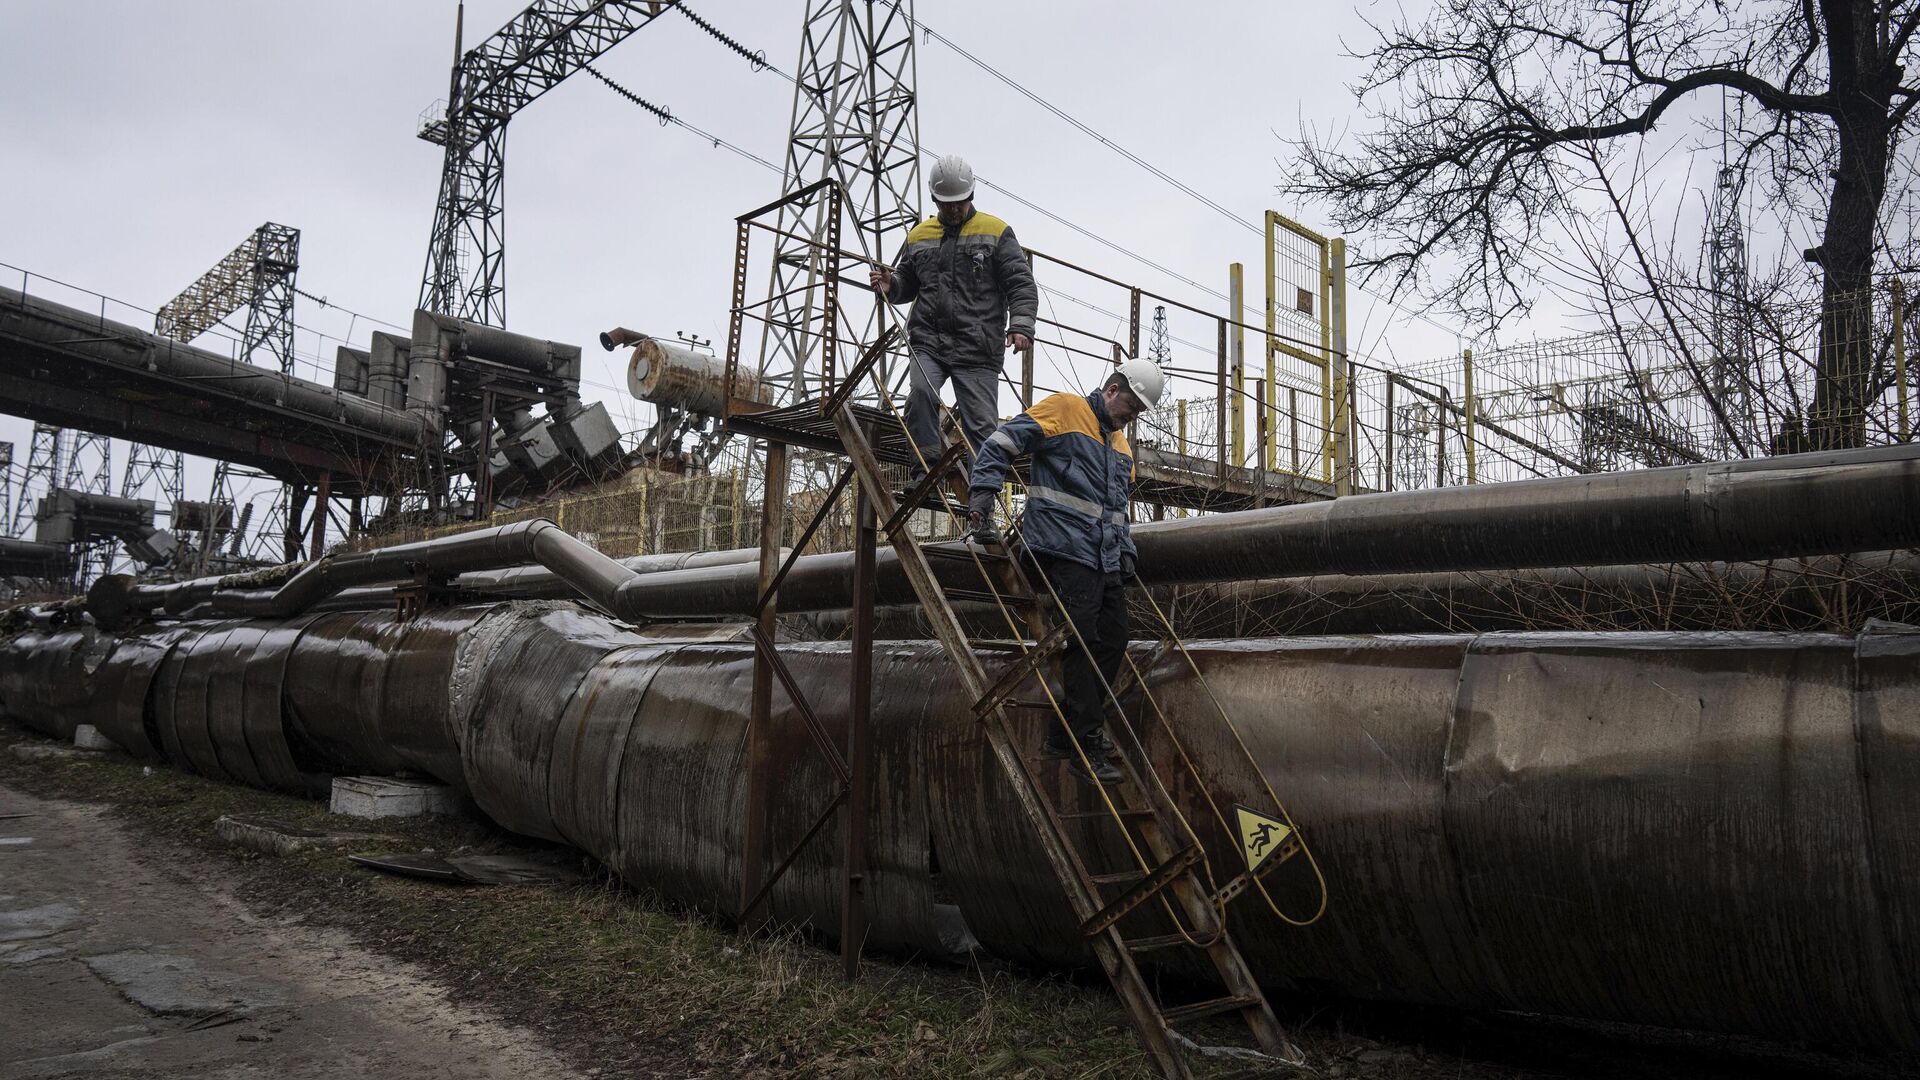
1096 603
976 391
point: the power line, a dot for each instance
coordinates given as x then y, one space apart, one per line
1141 162
758 60
666 117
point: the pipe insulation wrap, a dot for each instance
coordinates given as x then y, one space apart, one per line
1699 830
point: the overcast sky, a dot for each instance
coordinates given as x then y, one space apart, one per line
142 141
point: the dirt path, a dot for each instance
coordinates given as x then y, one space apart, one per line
120 963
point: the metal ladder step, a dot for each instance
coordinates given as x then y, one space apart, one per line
1026 667
1145 885
987 596
1158 942
1216 1006
1107 815
966 554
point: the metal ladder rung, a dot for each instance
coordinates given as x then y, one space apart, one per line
1120 878
1027 667
966 554
985 596
1162 941
1144 887
1123 811
1208 1008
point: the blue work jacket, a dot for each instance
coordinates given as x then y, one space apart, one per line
1079 484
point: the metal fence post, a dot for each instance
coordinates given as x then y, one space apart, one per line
1466 428
1905 431
1220 401
1293 426
1237 356
1341 421
1386 456
1260 428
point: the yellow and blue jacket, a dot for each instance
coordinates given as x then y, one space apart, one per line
1078 485
970 286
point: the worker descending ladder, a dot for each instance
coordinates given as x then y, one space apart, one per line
1169 874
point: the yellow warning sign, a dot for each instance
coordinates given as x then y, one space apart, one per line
1260 836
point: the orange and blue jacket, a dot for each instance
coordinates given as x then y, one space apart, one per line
1078 485
970 286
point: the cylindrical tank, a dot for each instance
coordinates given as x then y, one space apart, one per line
668 373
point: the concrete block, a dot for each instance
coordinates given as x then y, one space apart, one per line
88 737
385 796
270 837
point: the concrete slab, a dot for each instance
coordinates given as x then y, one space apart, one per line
170 985
44 920
16 952
386 796
270 837
88 737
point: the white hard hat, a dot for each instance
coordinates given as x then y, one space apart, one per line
951 180
1144 379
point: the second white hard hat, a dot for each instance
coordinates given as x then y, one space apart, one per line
1144 378
951 180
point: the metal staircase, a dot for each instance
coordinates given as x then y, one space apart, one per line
1165 868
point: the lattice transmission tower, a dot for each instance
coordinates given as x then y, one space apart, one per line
466 269
1735 375
6 483
855 120
259 276
88 462
150 467
42 475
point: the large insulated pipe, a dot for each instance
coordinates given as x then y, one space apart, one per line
102 341
1736 511
387 359
287 591
1808 504
429 355
553 361
1703 831
1742 511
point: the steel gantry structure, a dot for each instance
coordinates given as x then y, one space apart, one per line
466 268
258 276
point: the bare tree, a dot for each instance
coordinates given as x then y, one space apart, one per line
1484 116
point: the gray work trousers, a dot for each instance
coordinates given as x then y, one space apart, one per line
976 390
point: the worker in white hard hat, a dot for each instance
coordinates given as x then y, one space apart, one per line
973 299
1076 534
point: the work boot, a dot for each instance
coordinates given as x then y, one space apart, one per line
1099 747
1057 746
1103 771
